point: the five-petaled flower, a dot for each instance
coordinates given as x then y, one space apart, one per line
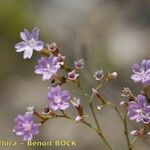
141 73
25 127
30 42
58 99
98 74
139 110
47 67
72 75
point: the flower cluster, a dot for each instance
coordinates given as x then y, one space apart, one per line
50 64
138 108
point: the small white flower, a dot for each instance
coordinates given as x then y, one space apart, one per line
72 75
98 75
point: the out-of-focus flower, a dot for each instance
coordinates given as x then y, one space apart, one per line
58 99
139 110
72 75
47 67
75 102
98 75
141 73
30 110
25 127
30 42
61 59
52 47
79 64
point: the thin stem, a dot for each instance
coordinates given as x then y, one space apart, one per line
98 126
133 141
124 120
126 132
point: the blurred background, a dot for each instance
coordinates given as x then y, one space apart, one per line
108 34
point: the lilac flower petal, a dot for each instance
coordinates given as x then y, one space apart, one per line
27 53
39 45
141 100
53 106
64 106
136 78
35 33
46 76
135 68
28 34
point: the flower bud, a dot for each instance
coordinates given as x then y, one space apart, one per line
30 110
100 107
79 64
52 47
75 102
61 59
123 104
112 76
97 94
135 133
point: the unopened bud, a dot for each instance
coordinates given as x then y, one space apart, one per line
135 133
100 107
52 47
112 76
123 104
30 110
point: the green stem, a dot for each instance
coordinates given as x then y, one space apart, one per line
126 132
98 126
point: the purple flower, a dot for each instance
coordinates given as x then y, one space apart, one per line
98 75
141 73
139 110
72 75
79 64
58 99
30 42
47 67
25 127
